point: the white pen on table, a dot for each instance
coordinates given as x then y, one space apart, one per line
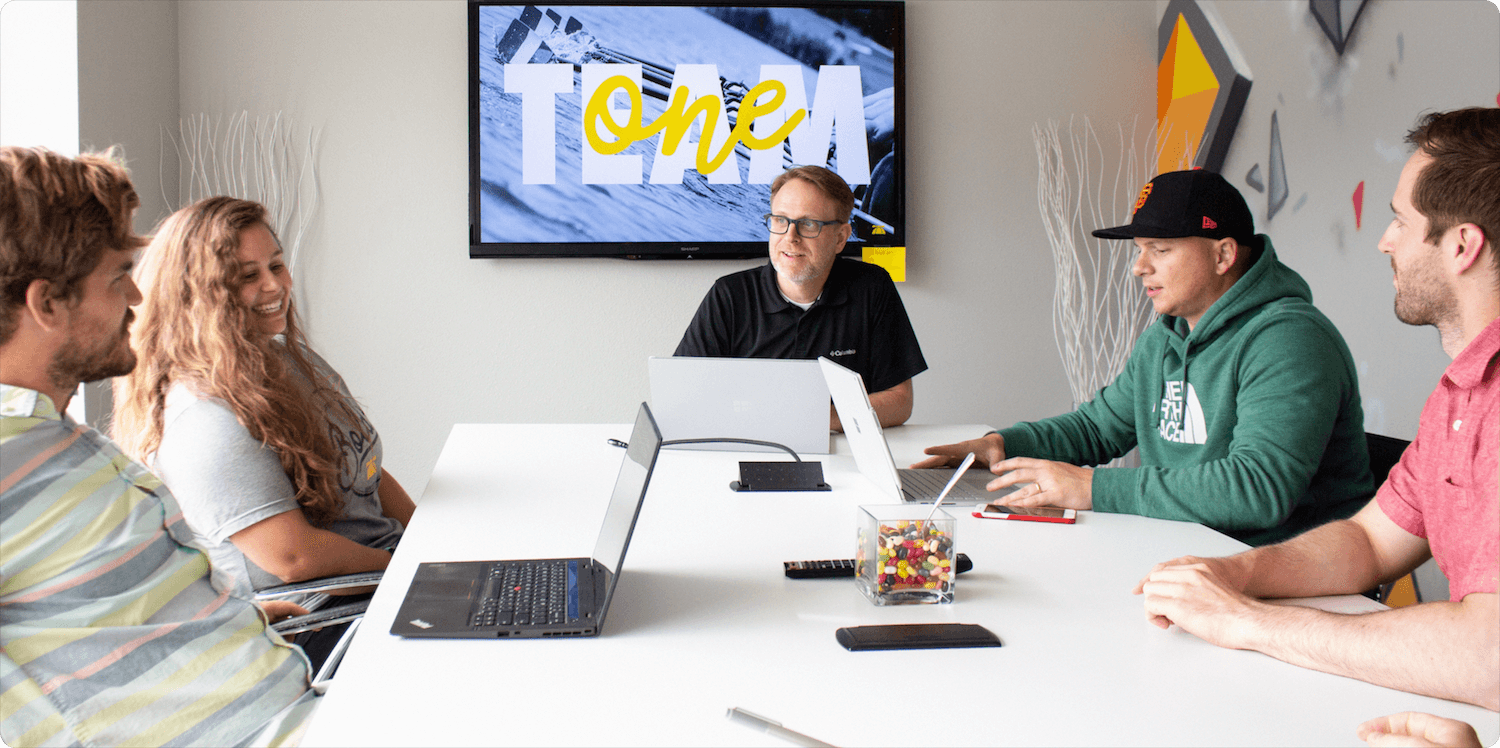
774 728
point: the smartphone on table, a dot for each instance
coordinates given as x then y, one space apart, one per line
1028 513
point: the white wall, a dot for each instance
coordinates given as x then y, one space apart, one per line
427 337
127 92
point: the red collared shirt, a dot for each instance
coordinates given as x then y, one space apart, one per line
1444 489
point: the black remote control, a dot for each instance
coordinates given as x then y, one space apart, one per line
844 567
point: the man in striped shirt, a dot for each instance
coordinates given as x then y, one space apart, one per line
113 630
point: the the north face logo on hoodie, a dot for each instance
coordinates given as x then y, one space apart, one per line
1181 415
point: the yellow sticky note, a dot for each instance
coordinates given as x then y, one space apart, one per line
893 259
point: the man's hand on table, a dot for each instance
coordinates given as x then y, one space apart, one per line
1202 596
988 450
1052 483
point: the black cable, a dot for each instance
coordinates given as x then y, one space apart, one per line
756 442
782 447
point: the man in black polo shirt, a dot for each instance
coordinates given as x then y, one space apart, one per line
807 302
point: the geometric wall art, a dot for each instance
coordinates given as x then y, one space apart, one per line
1201 85
1337 17
1276 188
1275 183
1359 203
1254 179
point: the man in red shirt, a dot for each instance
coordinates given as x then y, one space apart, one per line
1440 500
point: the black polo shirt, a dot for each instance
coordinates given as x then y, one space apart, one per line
858 321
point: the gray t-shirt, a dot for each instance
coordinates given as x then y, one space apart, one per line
225 480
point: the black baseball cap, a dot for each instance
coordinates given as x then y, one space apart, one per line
1187 203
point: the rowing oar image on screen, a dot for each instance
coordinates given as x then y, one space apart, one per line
639 130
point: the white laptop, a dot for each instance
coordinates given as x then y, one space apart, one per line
784 401
873 455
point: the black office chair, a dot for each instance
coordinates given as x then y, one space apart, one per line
1385 452
326 615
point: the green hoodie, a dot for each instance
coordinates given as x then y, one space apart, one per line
1265 439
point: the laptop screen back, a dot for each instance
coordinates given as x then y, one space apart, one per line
630 490
767 399
862 428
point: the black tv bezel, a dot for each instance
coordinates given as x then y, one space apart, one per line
725 250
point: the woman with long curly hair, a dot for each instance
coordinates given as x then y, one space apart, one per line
275 465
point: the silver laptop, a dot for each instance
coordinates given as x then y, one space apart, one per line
873 455
765 399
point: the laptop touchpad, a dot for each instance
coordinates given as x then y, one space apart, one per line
444 581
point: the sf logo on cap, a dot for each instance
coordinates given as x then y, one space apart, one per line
1141 199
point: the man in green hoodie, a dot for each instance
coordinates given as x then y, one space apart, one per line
1242 398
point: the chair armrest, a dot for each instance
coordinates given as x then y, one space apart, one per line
330 616
362 579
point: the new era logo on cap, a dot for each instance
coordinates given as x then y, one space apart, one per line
1208 223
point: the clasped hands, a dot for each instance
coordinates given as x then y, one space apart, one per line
1052 483
1205 597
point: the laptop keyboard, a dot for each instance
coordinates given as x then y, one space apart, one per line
927 484
529 593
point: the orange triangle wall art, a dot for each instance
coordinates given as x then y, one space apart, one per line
1201 87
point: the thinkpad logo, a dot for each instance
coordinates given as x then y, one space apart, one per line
421 624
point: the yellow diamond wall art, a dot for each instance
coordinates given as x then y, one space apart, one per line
1202 82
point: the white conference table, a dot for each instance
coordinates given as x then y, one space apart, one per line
704 620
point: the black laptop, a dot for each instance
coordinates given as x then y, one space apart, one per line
538 597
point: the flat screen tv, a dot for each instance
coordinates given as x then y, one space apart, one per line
654 129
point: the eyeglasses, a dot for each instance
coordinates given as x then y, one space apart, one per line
807 228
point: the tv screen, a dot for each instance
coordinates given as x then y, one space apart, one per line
654 129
